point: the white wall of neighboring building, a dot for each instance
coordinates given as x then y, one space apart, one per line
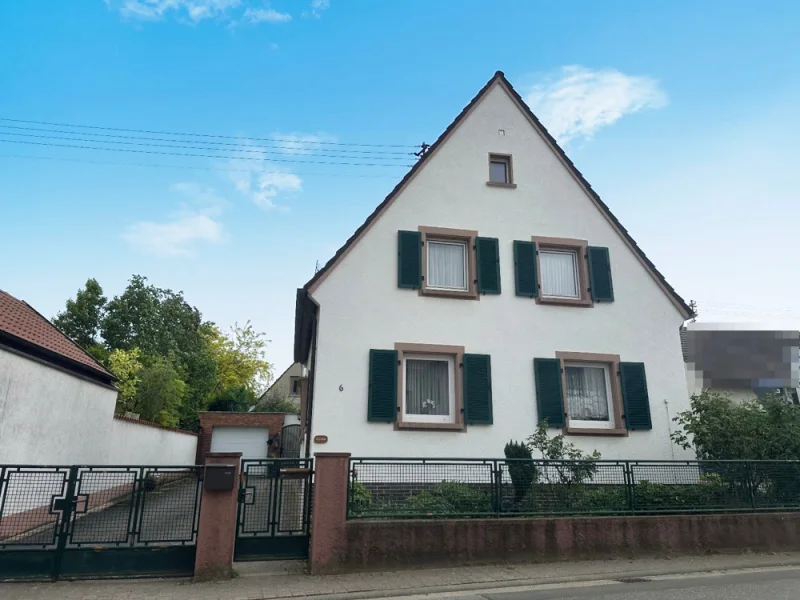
282 385
362 308
50 417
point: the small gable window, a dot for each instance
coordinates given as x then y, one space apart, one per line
500 171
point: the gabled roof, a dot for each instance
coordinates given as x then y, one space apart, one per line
500 78
25 330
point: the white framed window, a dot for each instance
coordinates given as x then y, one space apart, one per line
500 170
294 386
447 265
429 389
589 400
559 273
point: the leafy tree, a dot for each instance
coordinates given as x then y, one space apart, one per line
160 394
235 399
276 402
239 357
82 318
157 321
570 464
718 429
127 366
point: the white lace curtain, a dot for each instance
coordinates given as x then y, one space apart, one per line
587 394
427 385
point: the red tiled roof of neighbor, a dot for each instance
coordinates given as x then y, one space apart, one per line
21 320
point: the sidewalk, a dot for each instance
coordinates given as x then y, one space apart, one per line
260 581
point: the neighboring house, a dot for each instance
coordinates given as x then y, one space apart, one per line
287 385
491 289
57 403
741 363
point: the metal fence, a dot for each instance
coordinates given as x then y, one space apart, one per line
392 488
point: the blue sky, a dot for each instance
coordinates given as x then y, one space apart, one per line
682 115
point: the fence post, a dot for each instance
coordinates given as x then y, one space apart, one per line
216 532
329 511
629 486
497 497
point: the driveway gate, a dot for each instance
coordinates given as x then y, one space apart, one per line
274 509
86 522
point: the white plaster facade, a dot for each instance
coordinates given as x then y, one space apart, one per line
361 307
49 416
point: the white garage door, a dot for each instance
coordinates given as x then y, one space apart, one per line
250 441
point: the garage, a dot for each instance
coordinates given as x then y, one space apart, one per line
250 441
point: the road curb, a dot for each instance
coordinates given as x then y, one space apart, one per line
529 582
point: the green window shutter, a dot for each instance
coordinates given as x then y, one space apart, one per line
488 259
600 284
525 280
635 400
549 395
409 259
382 395
477 373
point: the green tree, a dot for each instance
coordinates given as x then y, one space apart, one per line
718 429
127 366
239 357
235 399
160 394
157 321
82 318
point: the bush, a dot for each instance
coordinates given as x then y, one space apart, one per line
450 497
360 498
521 471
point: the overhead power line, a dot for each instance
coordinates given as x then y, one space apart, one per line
195 155
207 135
265 153
287 149
194 167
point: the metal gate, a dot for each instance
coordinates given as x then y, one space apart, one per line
274 509
290 441
91 522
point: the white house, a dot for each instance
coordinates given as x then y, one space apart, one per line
491 289
286 386
57 403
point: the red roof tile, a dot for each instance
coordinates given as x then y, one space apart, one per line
21 320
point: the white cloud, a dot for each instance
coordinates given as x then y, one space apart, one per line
576 102
317 8
270 15
263 182
179 235
301 143
197 10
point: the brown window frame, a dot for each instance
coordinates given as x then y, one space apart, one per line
466 236
455 352
612 360
570 245
506 158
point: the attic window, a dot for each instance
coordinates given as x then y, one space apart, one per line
500 171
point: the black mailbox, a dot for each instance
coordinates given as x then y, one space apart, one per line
219 477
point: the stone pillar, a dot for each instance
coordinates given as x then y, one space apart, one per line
216 534
329 512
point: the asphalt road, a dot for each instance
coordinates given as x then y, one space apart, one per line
754 585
